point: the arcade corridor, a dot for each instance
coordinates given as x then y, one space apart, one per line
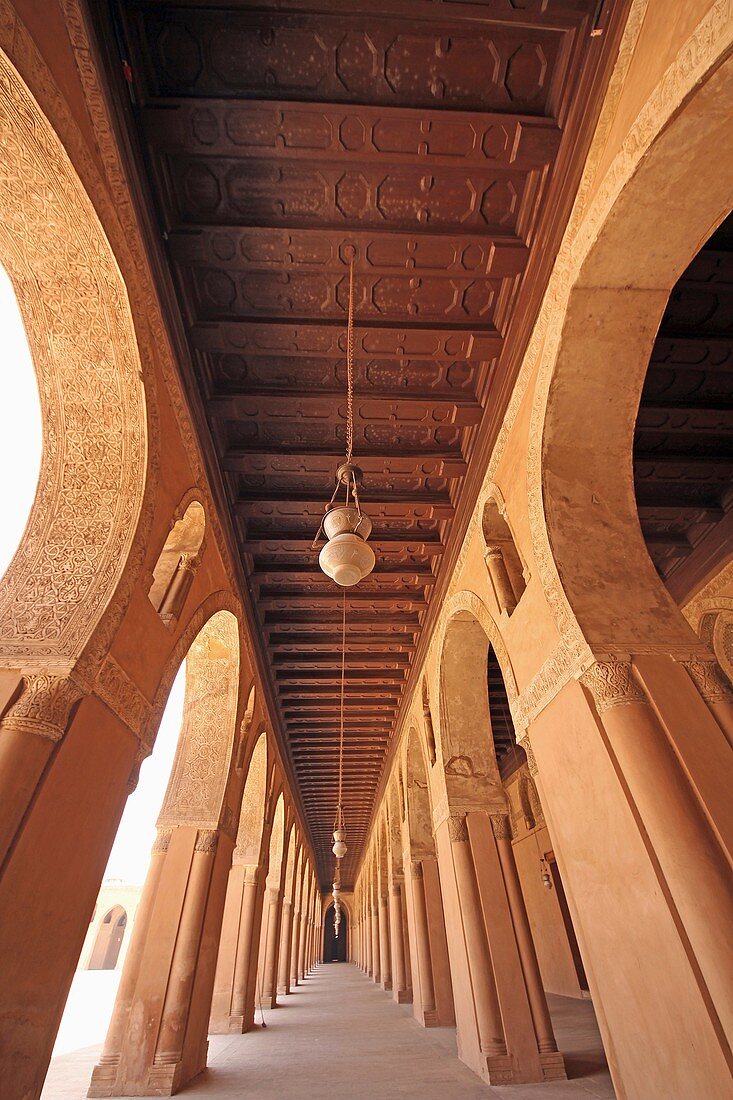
338 1020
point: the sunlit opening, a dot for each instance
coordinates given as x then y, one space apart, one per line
20 425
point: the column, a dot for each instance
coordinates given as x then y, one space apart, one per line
169 1049
376 961
270 960
157 1039
503 590
399 984
483 985
112 1048
690 855
384 945
294 948
234 986
302 965
422 943
368 939
537 1001
58 749
283 984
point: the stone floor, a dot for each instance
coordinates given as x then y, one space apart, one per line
338 1033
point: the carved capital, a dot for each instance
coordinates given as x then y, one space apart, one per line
396 889
501 826
273 897
612 684
457 829
529 753
162 840
415 869
251 874
493 553
44 706
709 680
207 841
383 900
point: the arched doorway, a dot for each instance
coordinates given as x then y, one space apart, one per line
109 940
335 944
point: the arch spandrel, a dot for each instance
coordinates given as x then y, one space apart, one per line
652 212
201 767
470 771
418 820
252 816
82 340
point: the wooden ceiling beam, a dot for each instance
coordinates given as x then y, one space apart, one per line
461 411
448 462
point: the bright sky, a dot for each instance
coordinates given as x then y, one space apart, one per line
20 459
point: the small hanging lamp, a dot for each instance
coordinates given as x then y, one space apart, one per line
346 557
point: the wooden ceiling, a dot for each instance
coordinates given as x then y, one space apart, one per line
683 443
444 141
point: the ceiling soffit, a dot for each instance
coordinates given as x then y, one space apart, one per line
444 141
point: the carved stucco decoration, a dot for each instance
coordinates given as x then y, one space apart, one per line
709 680
44 706
196 788
612 684
80 332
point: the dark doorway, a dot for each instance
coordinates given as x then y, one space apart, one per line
334 947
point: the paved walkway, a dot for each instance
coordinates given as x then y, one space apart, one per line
340 1034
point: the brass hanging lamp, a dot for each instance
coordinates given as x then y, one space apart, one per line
346 557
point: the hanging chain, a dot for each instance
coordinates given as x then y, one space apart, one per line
350 366
343 689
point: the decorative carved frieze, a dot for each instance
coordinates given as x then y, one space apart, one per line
612 684
43 707
526 744
115 688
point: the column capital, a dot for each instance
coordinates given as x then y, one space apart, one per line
251 874
501 826
383 901
44 706
457 829
493 551
416 869
273 896
162 840
207 841
612 684
396 889
707 676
